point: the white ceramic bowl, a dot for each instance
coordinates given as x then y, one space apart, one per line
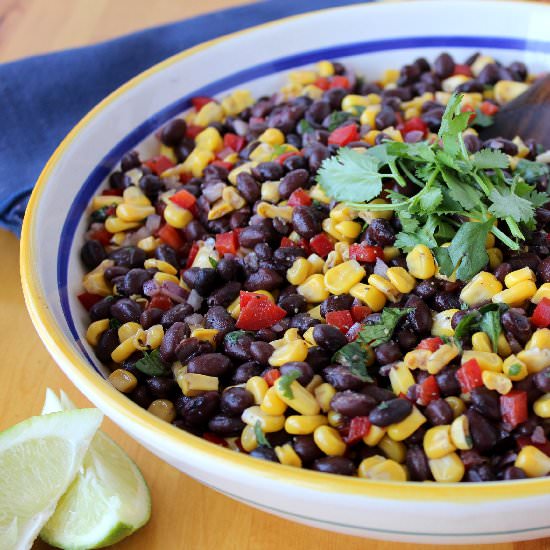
369 38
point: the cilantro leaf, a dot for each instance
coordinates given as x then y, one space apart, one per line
260 436
427 201
482 119
235 336
467 324
350 176
285 381
114 323
490 158
466 196
152 364
213 262
355 356
453 123
336 118
304 127
531 171
490 324
381 332
507 204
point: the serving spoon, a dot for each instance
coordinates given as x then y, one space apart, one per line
527 116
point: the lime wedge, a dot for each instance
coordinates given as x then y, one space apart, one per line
39 458
107 501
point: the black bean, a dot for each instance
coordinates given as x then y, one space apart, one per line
261 351
543 270
542 380
141 396
151 185
217 317
385 118
264 453
329 337
102 309
390 412
197 411
433 118
486 402
114 272
505 145
377 393
306 449
484 435
517 324
224 295
202 279
286 255
458 316
336 303
417 464
489 75
342 378
445 300
293 303
237 346
470 86
388 352
406 339
292 181
248 187
167 254
173 132
246 371
230 268
472 142
172 338
444 65
334 465
305 222
126 310
513 472
439 412
317 112
408 74
226 426
334 96
518 70
317 358
130 160
133 281
502 270
303 369
177 313
194 231
161 388
118 180
352 404
420 318
150 317
528 385
526 259
128 256
254 234
381 232
303 321
209 364
447 382
235 400
483 472
107 343
263 279
92 254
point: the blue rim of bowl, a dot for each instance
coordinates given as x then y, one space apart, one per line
147 127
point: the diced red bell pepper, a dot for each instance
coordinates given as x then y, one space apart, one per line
339 81
223 164
159 164
365 253
344 135
193 130
462 69
513 407
227 243
246 297
200 101
322 83
415 124
302 243
428 390
488 108
360 312
101 235
353 332
286 242
525 440
469 109
259 312
321 245
87 299
184 199
271 376
342 319
112 192
432 344
160 302
469 376
541 315
299 197
216 439
192 255
287 155
359 427
233 141
170 236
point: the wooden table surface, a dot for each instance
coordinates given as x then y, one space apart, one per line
186 515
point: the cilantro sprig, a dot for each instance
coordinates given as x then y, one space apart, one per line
285 381
459 197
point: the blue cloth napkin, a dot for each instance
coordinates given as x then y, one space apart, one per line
43 97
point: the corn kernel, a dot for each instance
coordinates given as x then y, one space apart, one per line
268 423
542 406
271 404
340 279
503 347
417 359
335 419
401 430
313 289
393 449
514 369
209 139
298 398
231 196
248 439
342 212
518 276
540 339
134 195
374 436
329 226
447 469
95 330
441 357
258 387
161 265
237 102
401 378
291 351
533 462
481 342
176 216
118 238
314 383
124 381
460 433
316 263
349 229
303 425
450 84
287 455
368 116
495 257
324 394
291 334
400 279
270 191
123 351
542 292
272 136
262 153
481 288
369 295
390 76
325 68
192 384
368 463
299 272
245 167
209 113
388 470
486 360
420 262
370 137
128 330
149 244
116 225
496 381
456 404
516 295
196 162
480 62
205 335
507 90
441 325
535 359
219 209
385 287
329 441
100 201
437 441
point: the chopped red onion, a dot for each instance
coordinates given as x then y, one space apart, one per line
195 320
151 288
213 192
240 127
153 222
380 267
194 300
173 291
538 435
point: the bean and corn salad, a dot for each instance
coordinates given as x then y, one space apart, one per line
340 276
